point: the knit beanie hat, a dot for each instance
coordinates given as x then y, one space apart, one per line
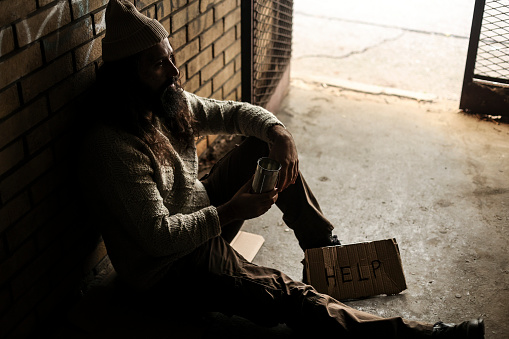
128 31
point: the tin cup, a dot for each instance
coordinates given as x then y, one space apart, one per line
266 175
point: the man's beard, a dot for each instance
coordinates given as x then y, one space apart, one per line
170 105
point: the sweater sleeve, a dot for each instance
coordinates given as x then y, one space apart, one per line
122 172
231 117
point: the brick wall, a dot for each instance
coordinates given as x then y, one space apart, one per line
49 54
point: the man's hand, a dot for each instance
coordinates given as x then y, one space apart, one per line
246 205
284 151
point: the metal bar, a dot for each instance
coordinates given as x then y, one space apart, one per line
472 49
490 79
247 43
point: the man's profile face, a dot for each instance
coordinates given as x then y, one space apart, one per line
156 68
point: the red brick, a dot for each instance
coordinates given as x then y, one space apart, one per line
10 156
201 146
88 53
143 4
238 63
99 22
232 19
239 93
207 5
19 259
17 181
71 87
223 8
54 227
197 26
232 51
226 73
38 216
211 34
22 121
13 10
238 31
48 76
20 64
178 39
64 40
187 52
212 68
6 41
166 7
43 22
205 90
224 41
27 278
231 96
83 7
199 62
47 184
184 15
38 138
232 83
13 210
10 101
218 95
192 84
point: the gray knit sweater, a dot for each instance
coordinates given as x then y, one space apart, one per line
151 214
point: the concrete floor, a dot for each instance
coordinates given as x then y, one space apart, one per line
426 174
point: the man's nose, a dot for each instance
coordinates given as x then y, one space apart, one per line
172 69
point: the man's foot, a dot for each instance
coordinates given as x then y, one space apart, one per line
473 329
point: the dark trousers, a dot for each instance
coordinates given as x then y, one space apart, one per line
301 211
215 277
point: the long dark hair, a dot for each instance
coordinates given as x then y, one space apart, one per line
125 102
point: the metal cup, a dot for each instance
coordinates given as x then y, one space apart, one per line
266 175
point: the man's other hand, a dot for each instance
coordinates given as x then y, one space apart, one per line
284 150
246 205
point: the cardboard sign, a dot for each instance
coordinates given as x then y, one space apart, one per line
356 270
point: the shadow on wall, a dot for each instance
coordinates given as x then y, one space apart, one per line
49 54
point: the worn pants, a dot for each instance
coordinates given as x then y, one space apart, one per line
215 277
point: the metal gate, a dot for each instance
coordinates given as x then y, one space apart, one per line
486 82
266 47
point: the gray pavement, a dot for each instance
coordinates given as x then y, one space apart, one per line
415 46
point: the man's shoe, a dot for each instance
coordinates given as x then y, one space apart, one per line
473 329
334 240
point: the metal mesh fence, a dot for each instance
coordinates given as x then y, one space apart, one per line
272 48
492 61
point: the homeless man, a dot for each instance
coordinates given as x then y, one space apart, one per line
168 231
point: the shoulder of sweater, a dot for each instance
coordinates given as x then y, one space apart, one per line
193 99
